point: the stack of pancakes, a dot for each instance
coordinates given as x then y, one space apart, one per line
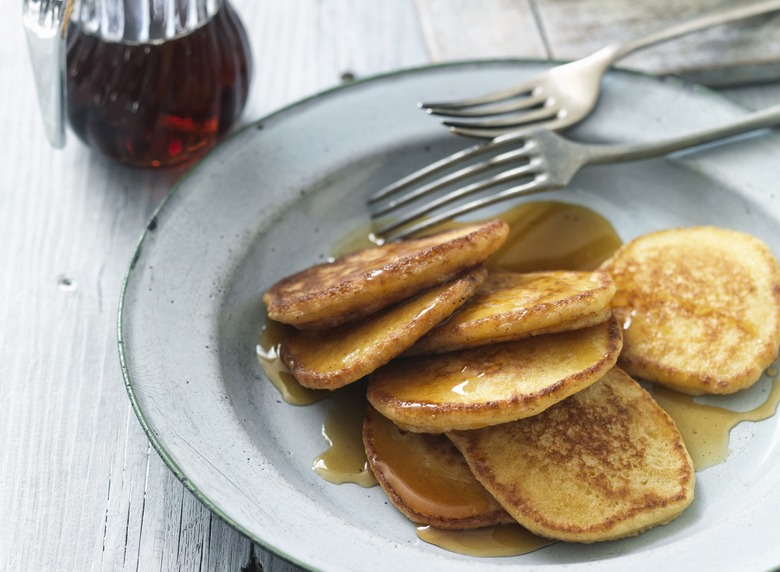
497 397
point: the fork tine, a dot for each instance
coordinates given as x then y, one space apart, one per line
537 185
430 169
528 170
454 177
509 106
515 121
479 131
509 93
441 164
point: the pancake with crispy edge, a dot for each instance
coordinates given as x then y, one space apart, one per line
605 463
364 282
493 384
333 358
427 478
700 308
511 306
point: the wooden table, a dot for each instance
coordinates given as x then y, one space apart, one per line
80 486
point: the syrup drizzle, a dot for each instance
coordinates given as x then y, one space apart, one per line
705 428
277 372
345 459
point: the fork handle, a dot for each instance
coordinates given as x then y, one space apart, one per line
594 154
708 20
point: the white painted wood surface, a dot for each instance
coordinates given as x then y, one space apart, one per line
733 53
736 53
80 486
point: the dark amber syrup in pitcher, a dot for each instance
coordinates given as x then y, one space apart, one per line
160 103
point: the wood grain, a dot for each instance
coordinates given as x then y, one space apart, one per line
465 30
83 487
733 53
745 51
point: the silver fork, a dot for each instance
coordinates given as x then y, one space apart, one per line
566 94
541 159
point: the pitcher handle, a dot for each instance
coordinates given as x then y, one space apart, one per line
46 24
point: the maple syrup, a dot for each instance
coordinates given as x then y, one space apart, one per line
543 235
705 428
488 541
160 103
345 459
277 372
550 235
434 487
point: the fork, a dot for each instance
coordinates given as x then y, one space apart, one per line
566 94
540 158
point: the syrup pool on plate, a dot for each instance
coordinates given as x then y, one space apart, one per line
705 428
489 541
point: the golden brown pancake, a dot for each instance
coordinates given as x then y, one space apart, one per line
511 306
366 281
700 308
333 358
603 464
492 384
426 477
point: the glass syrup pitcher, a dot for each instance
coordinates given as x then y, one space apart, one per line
148 83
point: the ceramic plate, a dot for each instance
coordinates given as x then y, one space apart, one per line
278 196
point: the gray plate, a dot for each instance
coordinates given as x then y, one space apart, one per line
278 195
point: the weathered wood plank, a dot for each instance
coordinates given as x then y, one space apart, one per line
739 52
463 29
745 51
79 481
302 46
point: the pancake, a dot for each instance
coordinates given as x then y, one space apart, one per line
512 306
364 282
333 358
492 384
603 464
700 308
426 477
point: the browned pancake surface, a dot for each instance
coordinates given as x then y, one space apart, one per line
700 308
366 281
492 384
427 478
333 358
512 306
603 464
